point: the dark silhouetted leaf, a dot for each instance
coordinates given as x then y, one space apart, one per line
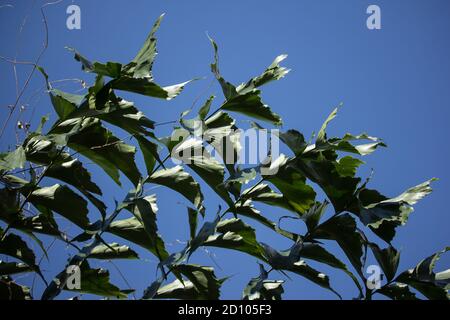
13 246
9 290
343 230
192 215
388 259
64 201
425 280
318 253
397 291
9 268
208 229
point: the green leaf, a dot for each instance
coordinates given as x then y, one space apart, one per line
242 177
425 280
141 65
177 179
322 135
9 204
144 210
263 193
110 69
388 259
124 115
220 120
289 260
150 152
273 72
44 150
208 229
320 168
204 110
245 208
397 291
64 103
150 291
318 253
262 289
282 260
43 223
203 278
250 104
222 134
147 87
196 157
11 214
73 173
202 284
114 110
113 251
101 146
228 89
294 140
192 214
135 76
317 277
384 215
131 229
425 268
44 119
265 290
314 214
235 234
347 166
64 201
344 144
343 230
177 290
13 160
96 281
246 98
414 194
292 184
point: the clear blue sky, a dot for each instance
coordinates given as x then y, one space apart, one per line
394 84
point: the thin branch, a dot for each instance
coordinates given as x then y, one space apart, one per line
123 278
35 64
39 264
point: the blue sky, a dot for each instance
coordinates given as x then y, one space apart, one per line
393 83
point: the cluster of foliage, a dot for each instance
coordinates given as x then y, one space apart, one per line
80 130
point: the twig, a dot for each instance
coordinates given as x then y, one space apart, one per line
123 278
39 263
35 64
